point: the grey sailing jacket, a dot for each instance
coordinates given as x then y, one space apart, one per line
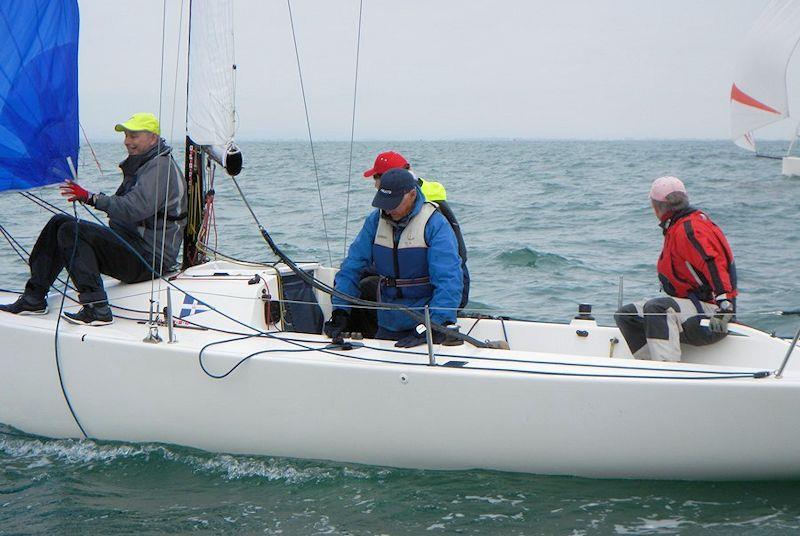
151 182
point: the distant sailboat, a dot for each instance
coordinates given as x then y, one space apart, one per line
759 95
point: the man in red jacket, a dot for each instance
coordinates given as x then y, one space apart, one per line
696 270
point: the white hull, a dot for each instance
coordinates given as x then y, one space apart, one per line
542 410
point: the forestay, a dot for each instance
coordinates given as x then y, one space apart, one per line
210 116
759 94
38 92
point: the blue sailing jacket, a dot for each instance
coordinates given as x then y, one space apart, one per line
437 260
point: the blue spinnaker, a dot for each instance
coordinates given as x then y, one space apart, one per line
38 92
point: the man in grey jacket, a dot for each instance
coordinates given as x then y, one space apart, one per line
148 205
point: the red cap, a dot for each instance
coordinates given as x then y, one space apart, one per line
386 161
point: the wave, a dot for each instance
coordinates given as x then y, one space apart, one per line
84 454
527 257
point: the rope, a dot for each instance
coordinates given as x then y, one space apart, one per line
352 128
715 374
689 374
209 222
244 359
308 126
58 324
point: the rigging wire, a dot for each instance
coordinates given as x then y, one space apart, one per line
372 305
43 203
177 67
326 288
310 139
16 247
352 128
327 349
153 300
261 333
165 221
91 149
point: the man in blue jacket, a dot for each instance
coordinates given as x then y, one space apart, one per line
413 249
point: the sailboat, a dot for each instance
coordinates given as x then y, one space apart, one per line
235 361
759 94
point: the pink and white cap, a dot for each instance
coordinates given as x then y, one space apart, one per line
663 186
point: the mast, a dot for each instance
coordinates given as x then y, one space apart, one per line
194 180
210 115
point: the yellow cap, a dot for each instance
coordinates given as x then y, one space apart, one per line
141 122
433 191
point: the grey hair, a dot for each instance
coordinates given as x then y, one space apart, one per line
675 202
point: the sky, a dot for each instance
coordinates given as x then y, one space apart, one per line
435 69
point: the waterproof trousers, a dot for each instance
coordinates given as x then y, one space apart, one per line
98 251
654 329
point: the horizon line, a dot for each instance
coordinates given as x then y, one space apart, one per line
110 139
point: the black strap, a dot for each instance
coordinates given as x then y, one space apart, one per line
399 283
696 302
179 217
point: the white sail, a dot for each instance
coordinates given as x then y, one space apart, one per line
759 94
210 116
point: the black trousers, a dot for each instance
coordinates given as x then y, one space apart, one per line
98 251
655 329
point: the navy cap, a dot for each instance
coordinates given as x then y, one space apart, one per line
395 183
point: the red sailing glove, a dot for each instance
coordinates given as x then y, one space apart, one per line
75 192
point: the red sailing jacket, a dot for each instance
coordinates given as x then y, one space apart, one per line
696 259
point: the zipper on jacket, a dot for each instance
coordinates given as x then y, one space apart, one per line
396 258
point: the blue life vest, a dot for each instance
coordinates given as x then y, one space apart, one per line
401 257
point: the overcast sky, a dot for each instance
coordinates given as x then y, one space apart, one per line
434 69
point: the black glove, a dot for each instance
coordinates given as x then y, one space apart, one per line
419 337
334 327
719 322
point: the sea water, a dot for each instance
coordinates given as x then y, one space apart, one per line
548 224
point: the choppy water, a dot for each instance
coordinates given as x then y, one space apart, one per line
548 224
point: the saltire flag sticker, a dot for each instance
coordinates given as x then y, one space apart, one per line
191 306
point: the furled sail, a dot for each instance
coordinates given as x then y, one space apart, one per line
759 94
211 116
38 92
